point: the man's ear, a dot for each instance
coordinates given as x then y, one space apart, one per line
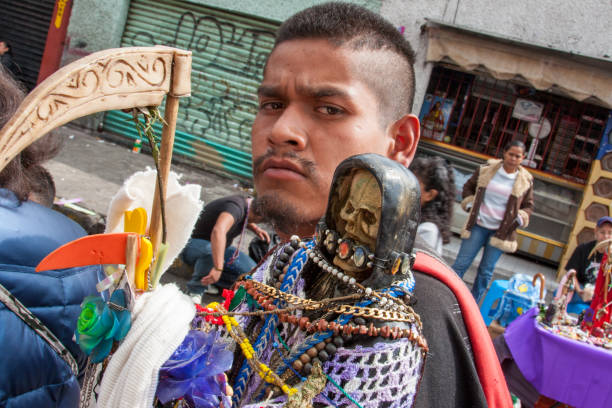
405 132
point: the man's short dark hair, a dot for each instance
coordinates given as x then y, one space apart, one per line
357 28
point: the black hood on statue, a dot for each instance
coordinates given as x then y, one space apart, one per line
398 220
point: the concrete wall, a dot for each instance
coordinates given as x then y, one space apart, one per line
580 27
95 25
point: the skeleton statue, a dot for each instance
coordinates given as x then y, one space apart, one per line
360 218
371 220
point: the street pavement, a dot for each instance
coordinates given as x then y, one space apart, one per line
92 168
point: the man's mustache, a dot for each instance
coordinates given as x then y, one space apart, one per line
308 167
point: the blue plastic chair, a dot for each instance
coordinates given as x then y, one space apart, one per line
495 292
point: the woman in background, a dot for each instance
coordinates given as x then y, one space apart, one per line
499 199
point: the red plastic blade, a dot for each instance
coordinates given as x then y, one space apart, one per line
97 249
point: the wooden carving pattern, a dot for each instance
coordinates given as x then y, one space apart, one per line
112 79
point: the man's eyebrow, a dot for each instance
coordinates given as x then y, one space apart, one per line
272 91
268 91
323 91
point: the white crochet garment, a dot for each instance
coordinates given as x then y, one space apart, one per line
160 321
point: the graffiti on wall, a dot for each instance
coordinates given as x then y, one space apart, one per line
228 60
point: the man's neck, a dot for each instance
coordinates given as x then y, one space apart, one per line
302 231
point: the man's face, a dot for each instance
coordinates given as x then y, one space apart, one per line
603 232
3 47
314 111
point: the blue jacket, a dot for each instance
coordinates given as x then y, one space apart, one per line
31 373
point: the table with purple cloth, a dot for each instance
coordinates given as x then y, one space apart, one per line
569 371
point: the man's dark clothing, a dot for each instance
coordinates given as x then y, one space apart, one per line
449 347
586 268
236 205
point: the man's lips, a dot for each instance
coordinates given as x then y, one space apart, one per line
281 169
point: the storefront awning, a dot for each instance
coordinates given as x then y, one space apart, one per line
582 78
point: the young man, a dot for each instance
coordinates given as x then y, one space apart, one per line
339 82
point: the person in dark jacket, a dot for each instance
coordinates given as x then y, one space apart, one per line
41 364
499 199
7 60
586 262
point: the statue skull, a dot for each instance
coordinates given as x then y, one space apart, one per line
360 216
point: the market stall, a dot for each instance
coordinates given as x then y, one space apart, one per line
548 352
564 369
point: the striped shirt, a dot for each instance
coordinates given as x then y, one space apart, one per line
496 196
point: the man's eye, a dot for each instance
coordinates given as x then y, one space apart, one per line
329 110
270 106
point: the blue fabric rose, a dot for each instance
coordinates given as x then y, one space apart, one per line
195 372
99 325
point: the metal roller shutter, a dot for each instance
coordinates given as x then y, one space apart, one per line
25 24
229 51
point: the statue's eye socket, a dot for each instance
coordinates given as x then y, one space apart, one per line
369 218
349 208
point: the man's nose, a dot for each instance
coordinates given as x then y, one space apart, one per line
288 130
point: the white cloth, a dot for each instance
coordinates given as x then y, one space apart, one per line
497 193
429 232
160 321
183 207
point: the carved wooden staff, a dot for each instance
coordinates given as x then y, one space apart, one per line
180 85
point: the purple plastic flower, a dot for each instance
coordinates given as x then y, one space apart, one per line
195 372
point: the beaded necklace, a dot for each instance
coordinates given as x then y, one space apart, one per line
270 323
234 330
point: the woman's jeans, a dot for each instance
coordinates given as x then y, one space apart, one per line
479 238
198 253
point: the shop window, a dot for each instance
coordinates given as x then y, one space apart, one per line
595 211
603 187
606 160
481 114
586 235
